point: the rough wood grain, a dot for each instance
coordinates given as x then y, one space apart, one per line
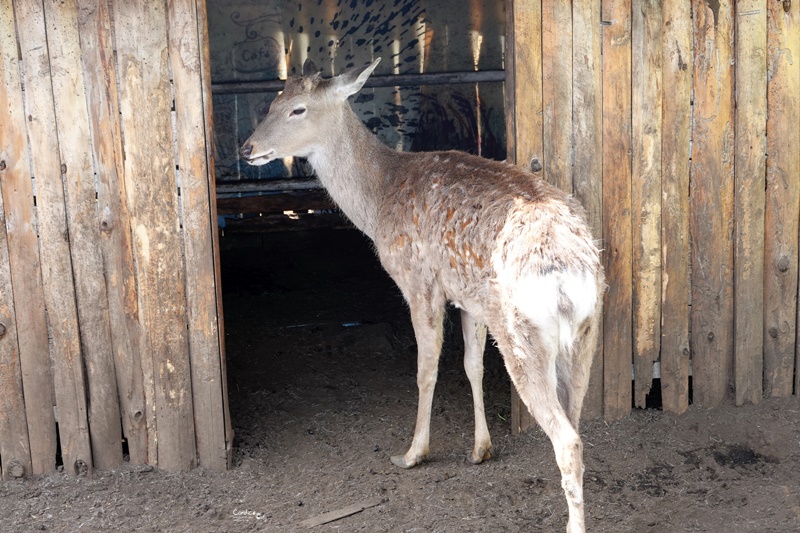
782 199
749 182
711 202
72 121
54 237
94 26
676 38
199 222
587 128
205 65
152 191
524 116
617 231
557 93
23 254
646 193
15 450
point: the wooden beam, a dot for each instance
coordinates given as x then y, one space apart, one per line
711 201
749 183
275 203
74 136
523 93
199 222
675 152
396 80
587 131
557 93
646 193
94 27
782 200
54 239
617 230
152 191
23 253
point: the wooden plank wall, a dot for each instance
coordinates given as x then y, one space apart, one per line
683 145
109 224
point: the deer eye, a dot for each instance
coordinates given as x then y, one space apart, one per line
296 112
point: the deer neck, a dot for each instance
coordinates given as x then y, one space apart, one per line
352 165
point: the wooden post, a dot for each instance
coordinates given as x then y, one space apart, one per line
152 191
646 193
94 25
749 181
523 92
74 136
557 92
617 231
711 201
587 131
675 148
782 200
186 48
23 254
54 237
15 450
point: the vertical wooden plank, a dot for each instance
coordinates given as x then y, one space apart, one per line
749 182
646 193
523 88
587 127
15 450
711 201
782 198
676 41
94 26
72 124
205 66
557 92
617 231
59 289
152 191
23 254
185 50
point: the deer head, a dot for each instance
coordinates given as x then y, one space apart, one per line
303 116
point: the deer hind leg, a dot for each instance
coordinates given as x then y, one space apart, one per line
474 344
427 317
574 376
531 356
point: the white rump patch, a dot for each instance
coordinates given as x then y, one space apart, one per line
537 297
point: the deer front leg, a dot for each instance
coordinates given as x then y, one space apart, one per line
474 344
427 317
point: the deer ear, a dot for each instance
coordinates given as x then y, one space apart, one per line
310 69
350 82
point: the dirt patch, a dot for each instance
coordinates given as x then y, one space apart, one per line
322 380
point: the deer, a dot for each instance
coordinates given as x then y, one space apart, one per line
512 252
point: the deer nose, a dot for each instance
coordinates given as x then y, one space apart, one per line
246 151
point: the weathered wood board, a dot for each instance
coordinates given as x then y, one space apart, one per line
185 47
587 131
782 200
557 76
617 230
72 127
676 40
646 192
94 27
152 191
23 252
749 183
711 202
58 285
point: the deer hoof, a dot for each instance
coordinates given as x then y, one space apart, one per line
400 460
479 456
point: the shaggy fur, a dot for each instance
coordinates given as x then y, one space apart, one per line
512 252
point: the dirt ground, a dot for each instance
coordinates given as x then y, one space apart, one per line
321 368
